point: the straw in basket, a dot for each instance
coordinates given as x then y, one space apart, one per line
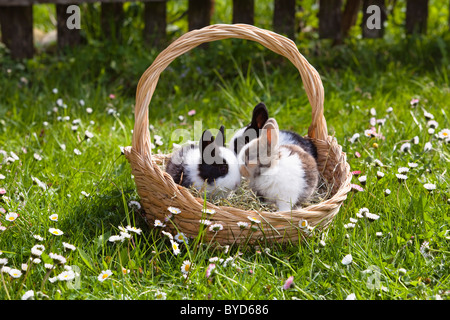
158 191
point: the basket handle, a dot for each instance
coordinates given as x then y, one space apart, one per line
279 44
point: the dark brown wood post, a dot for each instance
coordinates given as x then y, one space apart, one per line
244 11
66 36
17 30
284 17
330 15
350 15
111 18
155 23
416 16
374 16
199 13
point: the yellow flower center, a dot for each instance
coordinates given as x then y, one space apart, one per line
11 218
105 276
186 267
445 134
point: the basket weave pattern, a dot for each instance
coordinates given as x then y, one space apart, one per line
158 191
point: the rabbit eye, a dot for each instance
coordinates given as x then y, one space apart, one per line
223 169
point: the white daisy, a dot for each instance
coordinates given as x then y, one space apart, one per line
412 165
11 216
401 177
351 296
55 231
29 295
432 124
379 234
372 216
428 115
3 261
242 224
209 211
167 234
254 220
405 147
160 295
354 138
181 237
402 170
104 275
216 227
428 146
347 260
205 222
76 151
15 273
380 174
53 217
444 134
186 266
387 192
429 186
378 163
174 210
175 247
134 204
69 246
37 250
134 229
158 223
66 275
415 140
303 224
88 135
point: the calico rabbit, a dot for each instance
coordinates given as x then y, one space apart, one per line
208 163
252 131
284 174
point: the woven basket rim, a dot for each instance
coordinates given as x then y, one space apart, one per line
147 173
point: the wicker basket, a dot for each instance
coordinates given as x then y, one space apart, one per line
158 191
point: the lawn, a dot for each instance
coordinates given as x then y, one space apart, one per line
68 192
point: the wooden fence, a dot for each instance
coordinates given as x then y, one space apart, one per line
335 19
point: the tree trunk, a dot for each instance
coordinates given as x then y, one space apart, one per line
416 16
284 17
244 11
17 30
330 16
374 16
349 16
155 23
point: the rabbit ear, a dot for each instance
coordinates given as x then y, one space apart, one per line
220 138
270 132
206 140
260 116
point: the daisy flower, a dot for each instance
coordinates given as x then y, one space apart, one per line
362 180
405 147
53 217
104 275
387 192
88 135
303 224
181 237
37 250
55 231
378 163
289 282
444 134
380 174
134 204
76 151
428 115
428 146
89 110
11 216
415 140
379 234
205 222
356 187
175 247
372 216
347 260
349 225
242 224
429 186
432 124
57 257
115 238
412 165
401 177
160 295
370 132
402 170
67 275
209 211
134 229
354 138
29 295
3 261
158 223
15 273
216 227
191 112
167 234
210 269
69 246
186 266
174 210
351 296
254 220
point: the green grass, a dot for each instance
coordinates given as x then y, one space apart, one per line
91 192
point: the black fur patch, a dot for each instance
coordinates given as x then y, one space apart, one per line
213 171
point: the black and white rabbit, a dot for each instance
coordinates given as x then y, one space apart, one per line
284 174
252 131
208 164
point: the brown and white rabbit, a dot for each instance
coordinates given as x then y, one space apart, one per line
284 174
210 163
252 131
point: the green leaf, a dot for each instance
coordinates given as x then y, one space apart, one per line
87 260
